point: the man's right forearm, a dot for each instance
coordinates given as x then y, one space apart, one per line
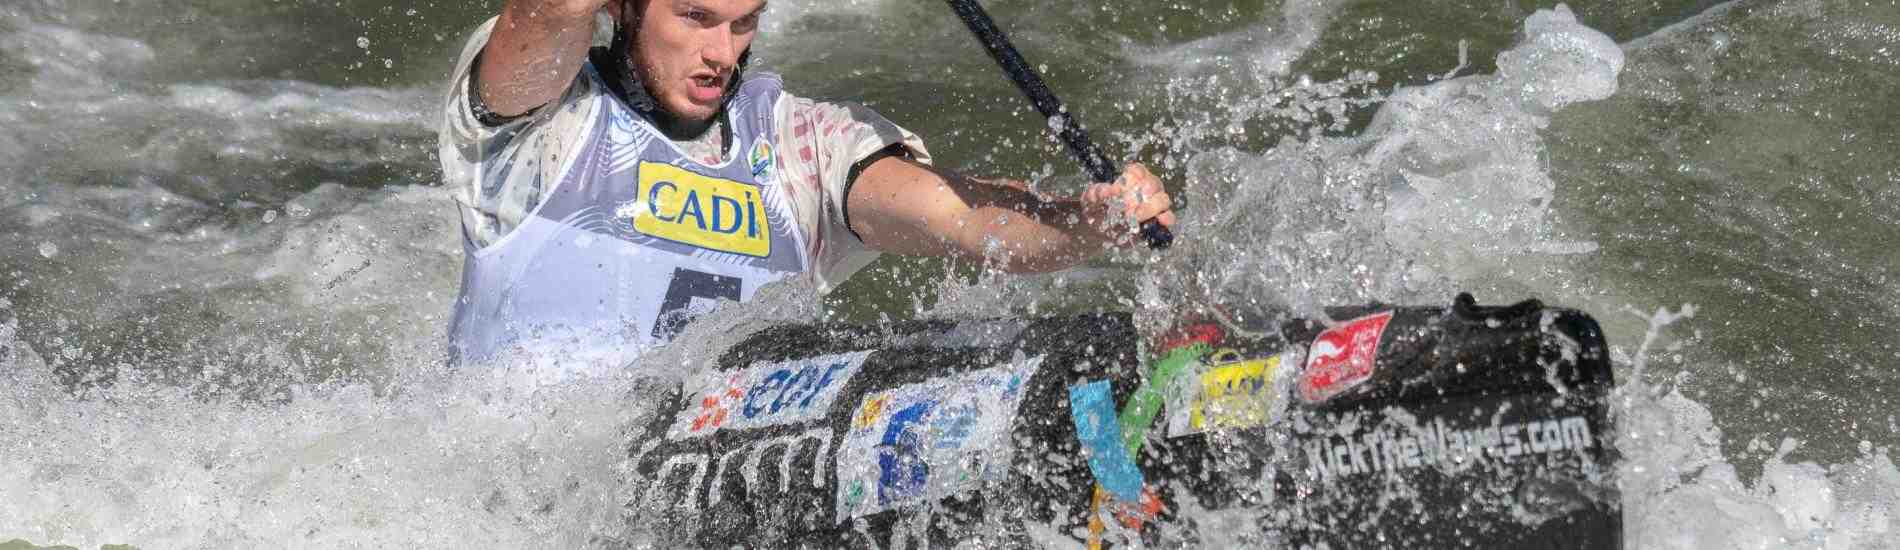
533 53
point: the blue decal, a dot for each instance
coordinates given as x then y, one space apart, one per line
903 468
1093 408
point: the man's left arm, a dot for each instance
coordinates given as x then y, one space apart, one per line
903 206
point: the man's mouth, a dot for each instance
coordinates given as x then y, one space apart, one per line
706 88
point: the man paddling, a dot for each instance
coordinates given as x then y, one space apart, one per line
617 168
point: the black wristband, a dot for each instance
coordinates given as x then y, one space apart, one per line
478 107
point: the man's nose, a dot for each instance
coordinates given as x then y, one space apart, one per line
721 50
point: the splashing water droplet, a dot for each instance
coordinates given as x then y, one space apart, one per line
362 42
48 250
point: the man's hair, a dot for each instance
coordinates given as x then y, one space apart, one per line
621 51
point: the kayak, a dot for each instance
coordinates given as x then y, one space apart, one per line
1411 426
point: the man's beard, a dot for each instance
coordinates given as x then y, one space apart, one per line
636 94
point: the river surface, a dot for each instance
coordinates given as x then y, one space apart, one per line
227 261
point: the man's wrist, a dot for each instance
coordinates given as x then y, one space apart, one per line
1119 233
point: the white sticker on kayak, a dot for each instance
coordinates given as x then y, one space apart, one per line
769 394
926 441
1342 357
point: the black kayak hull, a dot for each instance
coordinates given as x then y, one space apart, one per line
1445 427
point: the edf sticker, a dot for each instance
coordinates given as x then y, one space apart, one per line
1342 357
926 441
767 395
703 211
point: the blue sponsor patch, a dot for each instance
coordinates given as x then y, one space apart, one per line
922 442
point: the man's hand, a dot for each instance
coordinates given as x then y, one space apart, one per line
535 51
1116 210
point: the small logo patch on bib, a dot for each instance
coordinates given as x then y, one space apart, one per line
762 161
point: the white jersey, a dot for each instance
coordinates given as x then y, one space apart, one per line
589 231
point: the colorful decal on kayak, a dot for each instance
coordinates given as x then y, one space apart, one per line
1342 357
1161 380
1092 406
767 395
711 213
923 442
1181 353
762 161
1225 396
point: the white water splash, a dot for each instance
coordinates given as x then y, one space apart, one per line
1449 183
431 457
1478 192
336 466
1680 491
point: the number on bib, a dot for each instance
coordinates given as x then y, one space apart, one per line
689 286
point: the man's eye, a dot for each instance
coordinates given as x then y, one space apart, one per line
697 16
747 23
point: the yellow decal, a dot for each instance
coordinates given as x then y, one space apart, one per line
702 211
1234 395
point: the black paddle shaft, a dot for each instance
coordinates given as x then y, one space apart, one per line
1068 129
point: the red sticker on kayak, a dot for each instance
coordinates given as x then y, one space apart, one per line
1342 357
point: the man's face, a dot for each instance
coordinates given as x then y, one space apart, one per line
687 51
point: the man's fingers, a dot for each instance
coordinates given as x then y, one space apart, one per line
1135 197
1146 201
1151 207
